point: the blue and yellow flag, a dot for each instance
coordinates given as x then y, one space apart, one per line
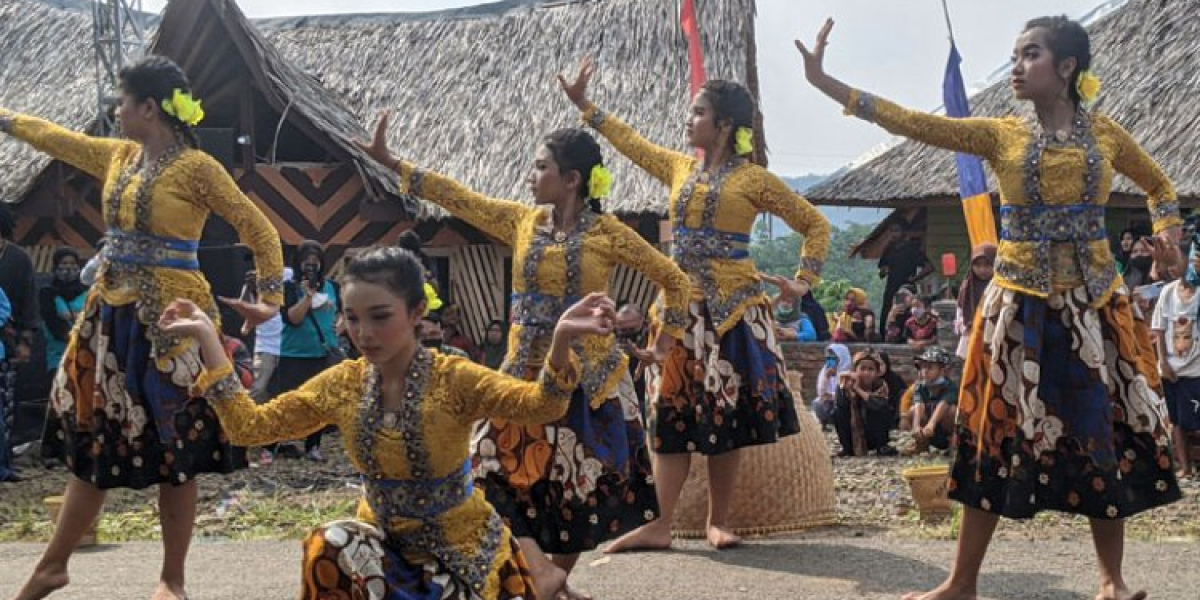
972 183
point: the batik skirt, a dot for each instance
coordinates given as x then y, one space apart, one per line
716 393
119 421
352 560
574 483
1060 409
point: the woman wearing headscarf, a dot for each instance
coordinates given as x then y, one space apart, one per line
970 294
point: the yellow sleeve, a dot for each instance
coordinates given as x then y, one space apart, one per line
286 417
776 197
974 135
662 163
629 248
1134 163
477 392
92 155
498 218
220 194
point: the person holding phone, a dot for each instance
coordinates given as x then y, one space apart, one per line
308 342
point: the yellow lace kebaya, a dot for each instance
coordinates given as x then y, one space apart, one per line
713 218
415 463
550 273
154 230
1053 190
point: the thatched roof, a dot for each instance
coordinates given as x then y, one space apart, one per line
46 69
473 89
1147 53
288 89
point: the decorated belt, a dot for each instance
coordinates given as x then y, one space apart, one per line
538 310
421 499
706 243
146 250
1043 223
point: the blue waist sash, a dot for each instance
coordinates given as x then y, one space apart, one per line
538 310
1044 223
421 499
146 250
706 243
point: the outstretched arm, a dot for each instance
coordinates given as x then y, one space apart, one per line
91 155
631 249
288 416
478 392
662 163
498 218
776 197
979 136
1136 164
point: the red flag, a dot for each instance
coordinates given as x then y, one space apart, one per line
691 29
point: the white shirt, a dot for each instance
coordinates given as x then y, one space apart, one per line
269 334
1177 321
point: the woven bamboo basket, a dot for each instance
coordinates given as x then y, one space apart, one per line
783 487
929 490
54 506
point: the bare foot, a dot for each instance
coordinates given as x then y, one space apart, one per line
550 581
721 538
946 591
1118 592
169 591
570 593
42 583
651 536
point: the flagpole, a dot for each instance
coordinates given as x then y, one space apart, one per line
949 27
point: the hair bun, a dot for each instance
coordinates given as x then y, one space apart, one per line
411 241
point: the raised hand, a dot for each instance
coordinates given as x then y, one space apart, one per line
814 67
184 318
253 313
577 90
788 288
378 148
594 315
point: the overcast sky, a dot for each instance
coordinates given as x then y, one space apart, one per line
896 48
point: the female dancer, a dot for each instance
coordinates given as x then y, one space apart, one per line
725 387
121 411
584 479
406 414
1059 406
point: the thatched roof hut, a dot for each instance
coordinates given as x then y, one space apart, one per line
474 88
47 69
1147 52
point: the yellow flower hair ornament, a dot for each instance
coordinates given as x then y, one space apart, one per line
599 182
432 301
184 107
1088 86
743 140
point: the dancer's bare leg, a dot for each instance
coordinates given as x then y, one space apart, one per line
973 539
1109 538
81 504
548 578
722 481
670 473
176 514
566 562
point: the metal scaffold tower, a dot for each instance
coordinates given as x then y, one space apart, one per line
119 35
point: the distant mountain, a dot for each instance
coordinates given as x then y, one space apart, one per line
838 216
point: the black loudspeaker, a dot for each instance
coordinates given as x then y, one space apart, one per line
218 142
225 269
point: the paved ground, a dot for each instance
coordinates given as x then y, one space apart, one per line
817 568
